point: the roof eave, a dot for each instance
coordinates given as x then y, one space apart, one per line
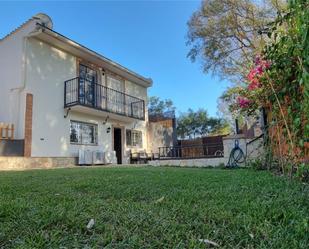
146 82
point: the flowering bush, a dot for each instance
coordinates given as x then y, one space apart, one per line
256 72
243 102
249 96
279 81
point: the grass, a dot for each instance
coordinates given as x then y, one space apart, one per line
234 208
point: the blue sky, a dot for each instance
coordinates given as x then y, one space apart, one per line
148 37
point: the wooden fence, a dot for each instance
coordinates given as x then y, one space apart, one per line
200 147
6 131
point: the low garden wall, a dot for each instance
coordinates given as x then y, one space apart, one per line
252 151
21 163
200 162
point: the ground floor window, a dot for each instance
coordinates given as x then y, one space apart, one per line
134 138
83 133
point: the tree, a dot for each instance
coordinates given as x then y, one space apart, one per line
223 128
157 106
226 35
193 124
223 104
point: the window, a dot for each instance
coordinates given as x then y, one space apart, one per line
134 138
83 133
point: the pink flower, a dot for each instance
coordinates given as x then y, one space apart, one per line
243 102
257 59
251 75
254 84
266 64
259 69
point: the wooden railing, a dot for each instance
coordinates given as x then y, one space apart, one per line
6 131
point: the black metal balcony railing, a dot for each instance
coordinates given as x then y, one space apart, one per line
80 91
191 151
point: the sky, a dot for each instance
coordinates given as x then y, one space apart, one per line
148 37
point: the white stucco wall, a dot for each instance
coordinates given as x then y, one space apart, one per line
139 92
12 58
252 151
47 69
136 90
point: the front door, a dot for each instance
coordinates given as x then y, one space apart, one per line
118 144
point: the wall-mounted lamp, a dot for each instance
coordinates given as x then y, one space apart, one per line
108 130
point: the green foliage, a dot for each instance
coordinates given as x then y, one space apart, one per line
283 87
223 128
290 55
146 207
157 106
303 172
257 164
225 34
197 123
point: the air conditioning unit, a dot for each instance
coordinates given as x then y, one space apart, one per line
81 157
110 157
88 157
98 157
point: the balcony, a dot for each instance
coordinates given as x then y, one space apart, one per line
82 92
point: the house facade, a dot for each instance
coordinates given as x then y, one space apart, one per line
63 97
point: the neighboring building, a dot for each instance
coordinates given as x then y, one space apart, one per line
162 131
62 96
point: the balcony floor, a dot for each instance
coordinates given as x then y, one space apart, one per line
102 114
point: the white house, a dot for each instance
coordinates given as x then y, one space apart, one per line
62 96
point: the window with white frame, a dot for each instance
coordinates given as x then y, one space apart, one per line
83 133
134 138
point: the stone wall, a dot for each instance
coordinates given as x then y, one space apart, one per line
22 163
200 162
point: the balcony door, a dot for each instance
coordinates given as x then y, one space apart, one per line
87 81
115 94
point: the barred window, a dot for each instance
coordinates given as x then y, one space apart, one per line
83 133
134 138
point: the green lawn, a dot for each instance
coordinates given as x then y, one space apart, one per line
234 208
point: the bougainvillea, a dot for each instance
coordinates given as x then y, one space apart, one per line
257 72
243 102
254 82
